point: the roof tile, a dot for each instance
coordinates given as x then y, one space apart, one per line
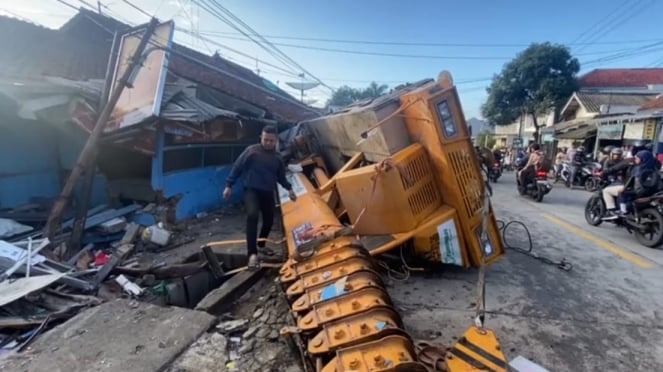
622 78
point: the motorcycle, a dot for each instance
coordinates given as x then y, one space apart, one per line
495 172
535 187
584 173
645 216
595 182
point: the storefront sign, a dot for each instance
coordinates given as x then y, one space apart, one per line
634 131
650 130
610 131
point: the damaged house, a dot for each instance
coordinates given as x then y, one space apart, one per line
207 110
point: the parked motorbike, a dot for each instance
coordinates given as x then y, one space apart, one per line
644 218
495 172
535 187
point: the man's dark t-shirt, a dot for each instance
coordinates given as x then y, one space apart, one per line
261 169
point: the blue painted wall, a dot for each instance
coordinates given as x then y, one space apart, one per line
201 190
201 186
32 155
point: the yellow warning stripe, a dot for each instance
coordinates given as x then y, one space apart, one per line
468 355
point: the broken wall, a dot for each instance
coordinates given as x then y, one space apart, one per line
36 158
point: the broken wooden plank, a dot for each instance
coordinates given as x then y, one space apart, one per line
213 262
13 290
91 212
108 215
125 248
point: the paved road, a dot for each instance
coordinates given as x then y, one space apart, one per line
604 315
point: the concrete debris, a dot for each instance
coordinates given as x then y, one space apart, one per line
206 354
114 336
260 347
232 326
250 332
258 313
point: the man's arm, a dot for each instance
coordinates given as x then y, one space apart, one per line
238 167
618 167
281 174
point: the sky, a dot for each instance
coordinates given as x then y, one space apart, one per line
336 42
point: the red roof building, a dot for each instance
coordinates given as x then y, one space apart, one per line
622 78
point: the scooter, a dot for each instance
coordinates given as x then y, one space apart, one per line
536 187
495 172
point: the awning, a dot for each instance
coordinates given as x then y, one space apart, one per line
579 133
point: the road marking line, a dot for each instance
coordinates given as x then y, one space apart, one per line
601 243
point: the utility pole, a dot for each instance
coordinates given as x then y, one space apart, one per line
90 171
55 217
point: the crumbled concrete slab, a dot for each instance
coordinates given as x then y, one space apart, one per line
248 343
208 354
120 335
220 299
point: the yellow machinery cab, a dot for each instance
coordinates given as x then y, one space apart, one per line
399 172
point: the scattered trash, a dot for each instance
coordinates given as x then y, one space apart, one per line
157 234
129 286
522 364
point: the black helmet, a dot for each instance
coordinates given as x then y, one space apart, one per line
616 151
608 149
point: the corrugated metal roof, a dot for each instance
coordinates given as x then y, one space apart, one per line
180 104
278 103
656 103
579 133
593 101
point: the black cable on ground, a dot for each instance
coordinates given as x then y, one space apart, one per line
529 250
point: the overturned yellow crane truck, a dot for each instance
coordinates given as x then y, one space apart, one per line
399 172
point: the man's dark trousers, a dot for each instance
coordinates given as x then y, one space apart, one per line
258 202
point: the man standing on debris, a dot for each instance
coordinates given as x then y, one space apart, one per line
262 167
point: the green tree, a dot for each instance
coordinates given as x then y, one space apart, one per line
484 139
540 79
346 95
374 91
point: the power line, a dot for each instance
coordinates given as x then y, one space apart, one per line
410 43
619 21
277 50
219 16
404 55
600 22
137 8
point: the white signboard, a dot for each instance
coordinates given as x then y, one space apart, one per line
634 131
449 245
297 186
143 99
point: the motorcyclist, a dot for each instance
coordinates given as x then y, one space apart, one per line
576 163
615 156
559 162
532 162
605 154
497 154
644 163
